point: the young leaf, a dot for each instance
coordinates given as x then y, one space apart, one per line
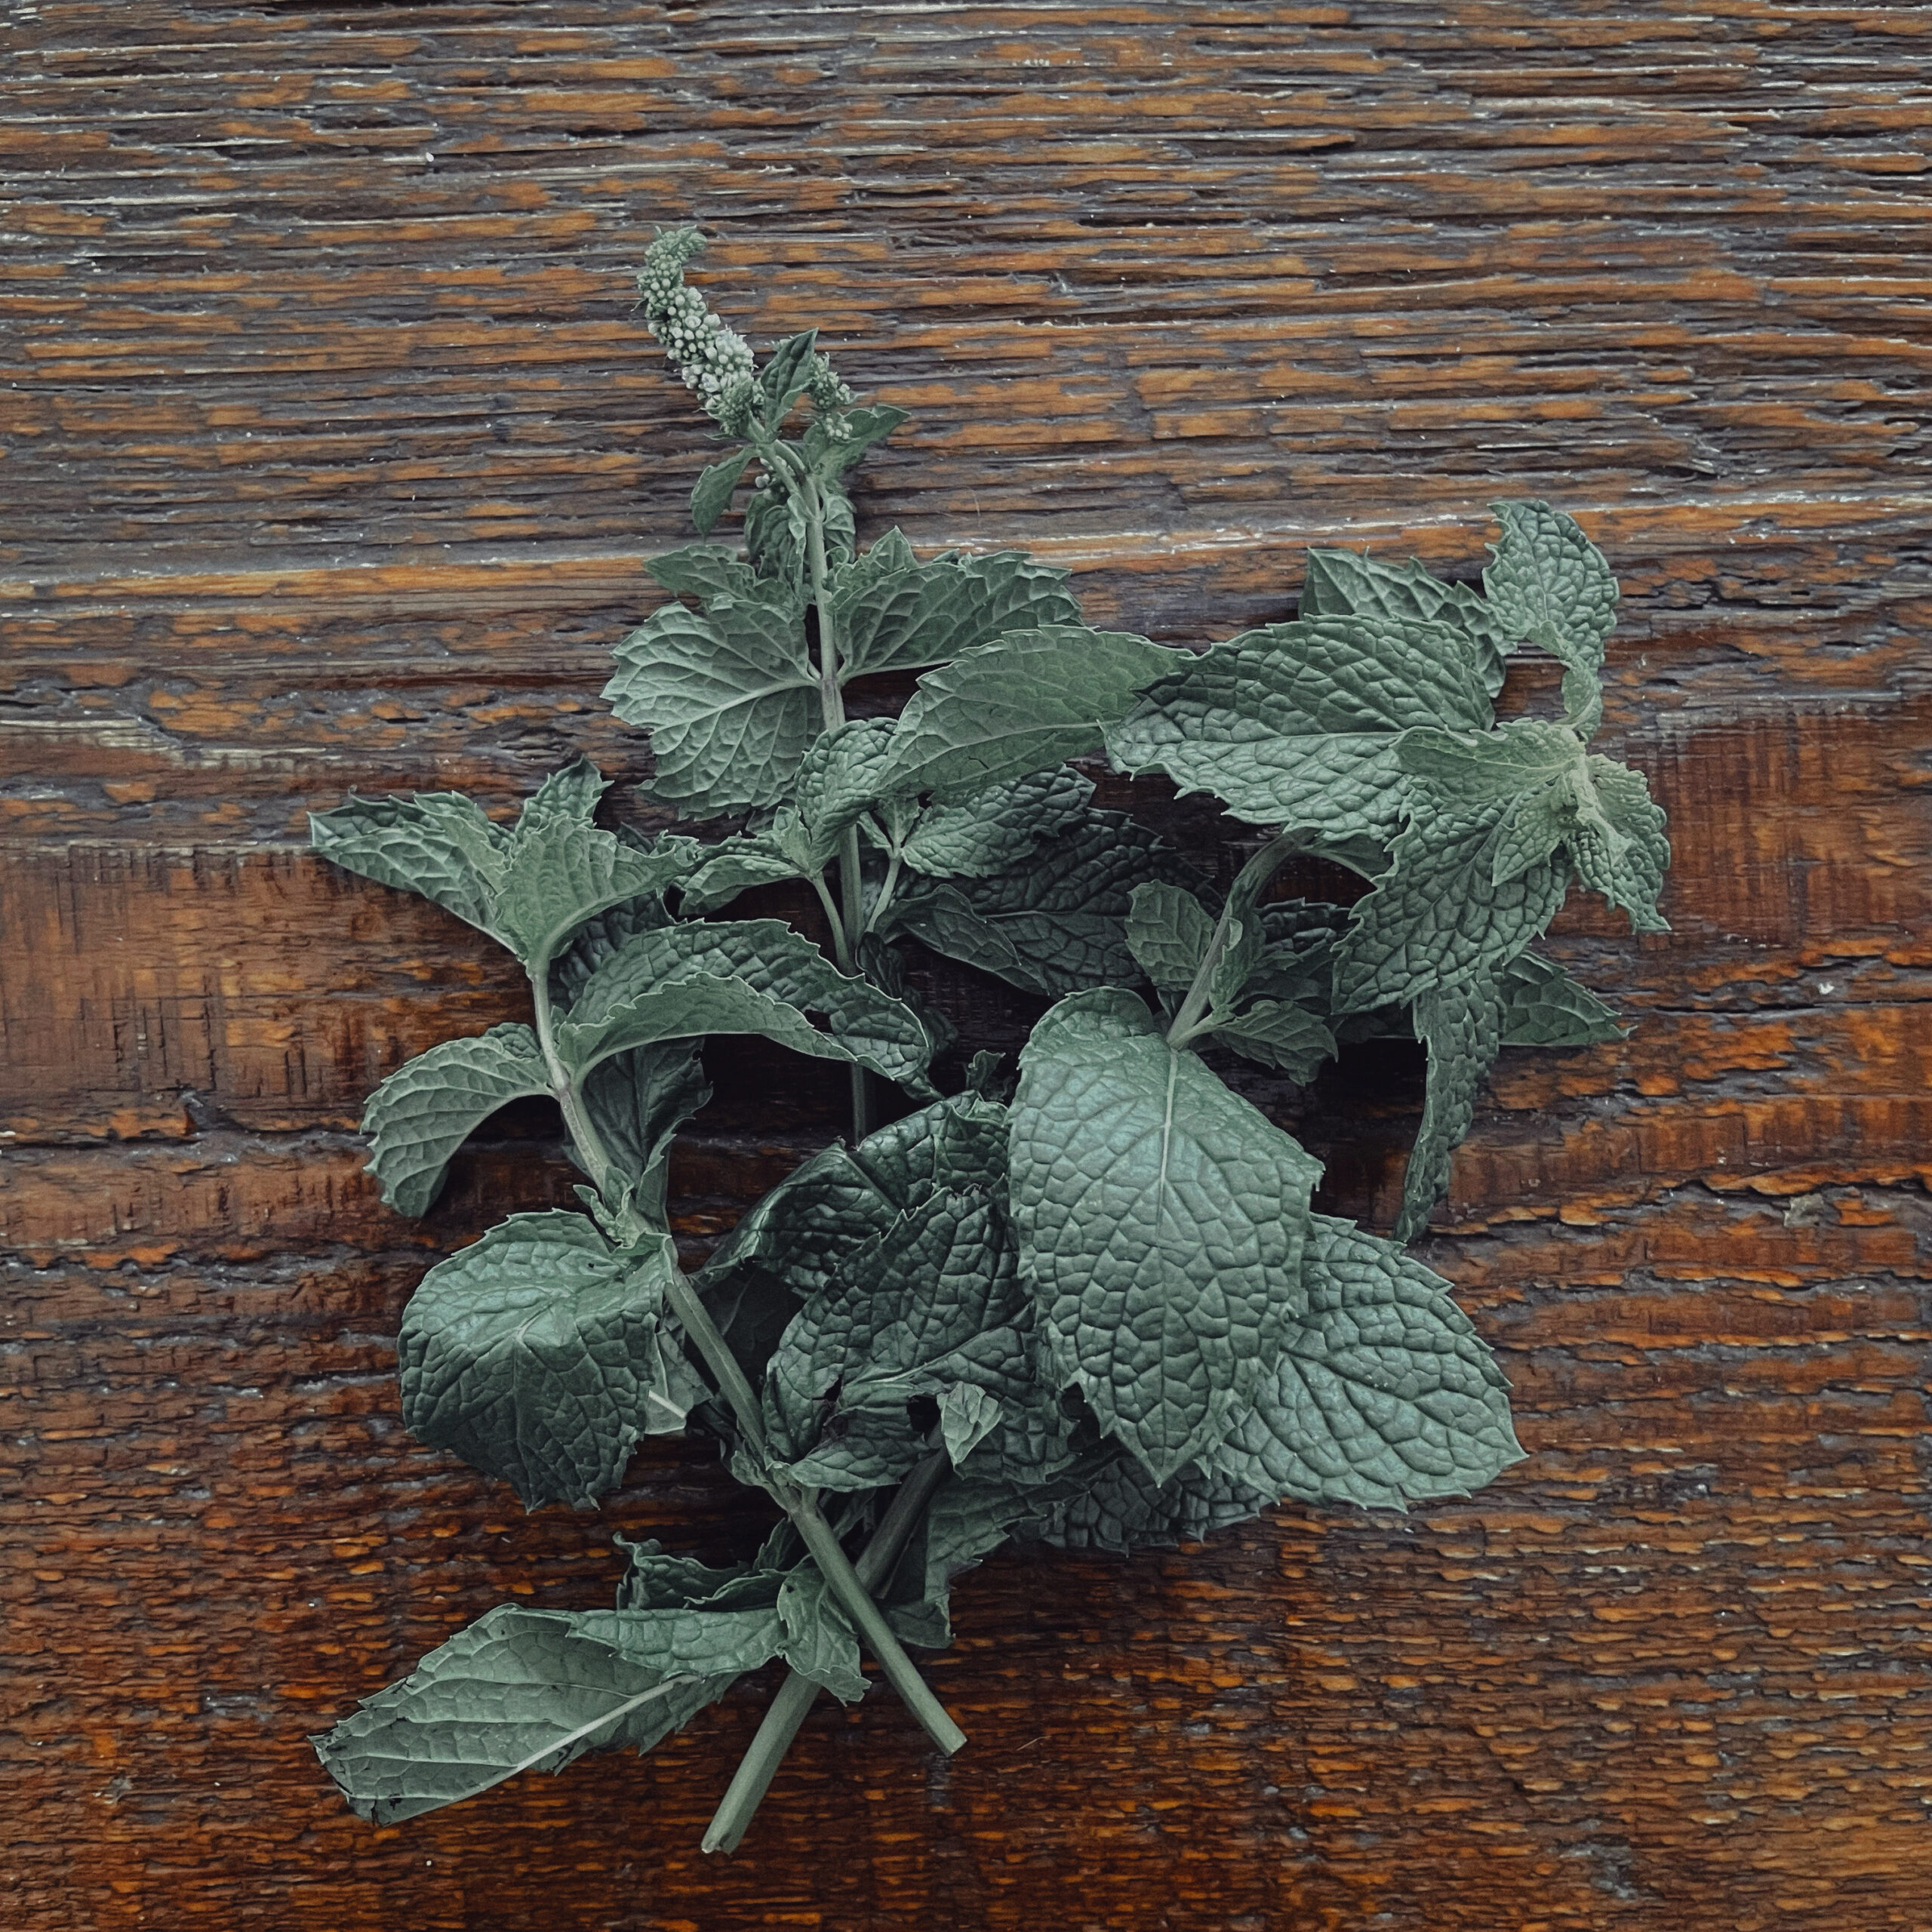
729 696
1056 922
832 444
521 1354
1549 583
996 829
557 873
519 1690
425 1111
711 495
1033 698
1120 1507
787 373
637 1101
1168 932
893 613
1382 1394
1160 1221
819 1639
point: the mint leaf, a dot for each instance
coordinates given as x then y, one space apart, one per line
1168 932
735 866
1160 1221
436 843
1382 1394
1625 856
1464 771
1461 1026
729 697
819 1639
711 495
704 570
1549 583
521 1354
556 873
892 614
755 976
1288 1037
519 1690
1031 700
993 830
1122 1508
1543 1006
1338 583
787 373
1295 725
832 444
1438 916
1056 922
637 1101
425 1111
968 1415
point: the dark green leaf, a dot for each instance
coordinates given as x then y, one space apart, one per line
999 828
1288 1037
912 614
1122 1508
1338 583
1460 1025
729 697
819 1639
833 443
532 1354
424 1111
1383 1394
1031 700
704 570
1544 1007
1160 1221
1055 923
438 844
787 370
1168 932
637 1101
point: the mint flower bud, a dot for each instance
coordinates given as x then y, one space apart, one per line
715 361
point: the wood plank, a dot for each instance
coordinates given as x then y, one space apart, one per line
334 452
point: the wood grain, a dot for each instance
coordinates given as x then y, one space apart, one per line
332 455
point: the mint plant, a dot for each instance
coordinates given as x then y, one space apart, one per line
1098 1311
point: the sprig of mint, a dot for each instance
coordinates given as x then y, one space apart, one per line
1101 1312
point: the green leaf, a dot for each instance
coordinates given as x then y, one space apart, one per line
1338 583
1437 917
833 443
1288 1037
968 1415
522 1354
1625 858
557 873
1295 724
820 1643
1055 923
1466 770
1168 932
1549 583
519 1690
704 570
968 1520
911 615
708 1642
1160 1221
425 1111
1122 1508
438 844
751 976
842 776
711 495
1033 699
1383 1394
1460 1025
729 697
637 1101
787 371
1543 1006
997 828
736 866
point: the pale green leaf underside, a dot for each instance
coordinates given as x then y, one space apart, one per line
424 1111
519 1690
1160 1221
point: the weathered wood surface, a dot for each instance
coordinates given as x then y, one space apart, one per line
330 452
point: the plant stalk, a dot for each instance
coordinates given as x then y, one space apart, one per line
801 1505
788 1709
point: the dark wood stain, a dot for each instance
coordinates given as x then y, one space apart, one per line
332 452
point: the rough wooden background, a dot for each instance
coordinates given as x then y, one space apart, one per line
330 451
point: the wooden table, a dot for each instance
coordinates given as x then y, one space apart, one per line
331 450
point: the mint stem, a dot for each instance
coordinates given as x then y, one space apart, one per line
788 1709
